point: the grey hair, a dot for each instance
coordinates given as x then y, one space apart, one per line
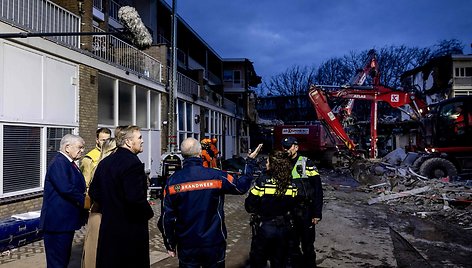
125 133
190 147
70 139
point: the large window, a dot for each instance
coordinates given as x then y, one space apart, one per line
213 126
463 72
121 103
22 156
155 110
186 122
106 104
141 106
126 104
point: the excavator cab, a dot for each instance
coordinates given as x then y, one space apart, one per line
447 144
449 124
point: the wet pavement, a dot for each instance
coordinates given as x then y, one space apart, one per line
351 234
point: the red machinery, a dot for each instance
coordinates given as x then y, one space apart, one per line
445 139
356 91
396 99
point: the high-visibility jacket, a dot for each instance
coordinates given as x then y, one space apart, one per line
308 181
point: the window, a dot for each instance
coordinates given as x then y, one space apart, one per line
227 75
22 152
136 105
125 105
141 107
181 115
155 110
232 76
463 72
237 77
106 105
189 115
185 121
54 141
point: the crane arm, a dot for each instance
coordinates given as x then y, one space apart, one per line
326 115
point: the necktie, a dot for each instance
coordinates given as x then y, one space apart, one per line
75 165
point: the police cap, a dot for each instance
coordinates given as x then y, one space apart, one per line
287 142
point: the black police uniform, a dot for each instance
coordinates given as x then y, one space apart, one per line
310 202
271 221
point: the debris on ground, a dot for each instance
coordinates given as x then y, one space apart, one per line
392 183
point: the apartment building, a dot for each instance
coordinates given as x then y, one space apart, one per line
54 85
442 77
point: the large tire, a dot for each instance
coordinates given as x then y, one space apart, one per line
438 168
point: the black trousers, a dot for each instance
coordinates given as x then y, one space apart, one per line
206 257
306 236
270 243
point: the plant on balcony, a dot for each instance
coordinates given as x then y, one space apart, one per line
136 30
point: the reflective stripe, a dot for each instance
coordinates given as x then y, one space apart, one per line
311 171
230 178
194 186
270 190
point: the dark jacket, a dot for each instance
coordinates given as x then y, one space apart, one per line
192 214
120 188
263 202
309 188
63 198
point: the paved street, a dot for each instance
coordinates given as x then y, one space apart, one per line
351 234
32 255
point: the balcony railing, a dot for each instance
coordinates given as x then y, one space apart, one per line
114 8
187 85
41 16
118 52
98 4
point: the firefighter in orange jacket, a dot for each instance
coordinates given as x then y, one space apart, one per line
207 153
214 149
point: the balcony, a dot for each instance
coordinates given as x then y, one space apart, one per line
45 17
120 53
41 16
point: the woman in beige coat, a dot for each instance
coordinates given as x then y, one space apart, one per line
89 254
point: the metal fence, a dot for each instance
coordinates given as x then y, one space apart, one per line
42 16
117 51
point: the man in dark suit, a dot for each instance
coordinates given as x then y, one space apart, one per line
119 186
63 202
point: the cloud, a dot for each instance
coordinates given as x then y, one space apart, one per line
278 34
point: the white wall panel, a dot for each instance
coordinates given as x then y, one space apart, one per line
60 100
22 84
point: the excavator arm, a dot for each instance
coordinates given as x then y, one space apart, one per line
326 115
396 99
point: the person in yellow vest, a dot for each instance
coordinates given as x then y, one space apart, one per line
310 192
90 160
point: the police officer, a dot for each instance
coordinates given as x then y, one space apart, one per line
308 210
271 200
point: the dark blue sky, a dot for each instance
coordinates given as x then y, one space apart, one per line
276 34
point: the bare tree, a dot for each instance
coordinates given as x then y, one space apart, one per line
335 71
293 82
393 62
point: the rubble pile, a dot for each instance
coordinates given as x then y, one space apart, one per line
446 198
